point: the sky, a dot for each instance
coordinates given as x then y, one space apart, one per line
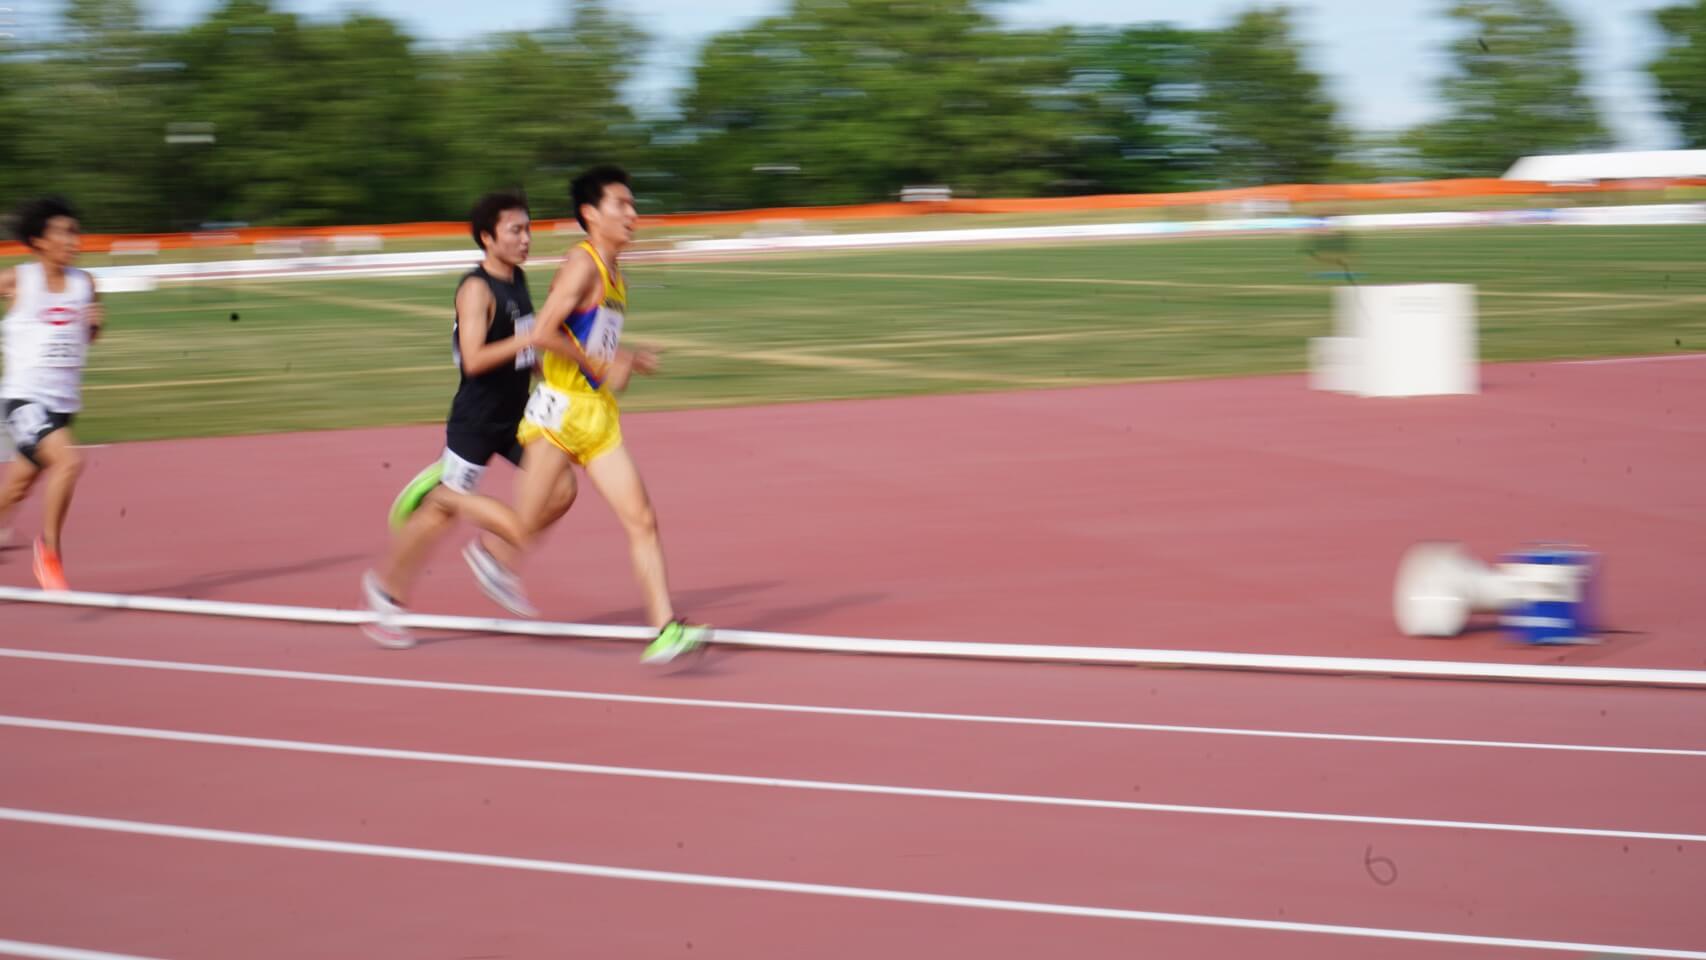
1382 58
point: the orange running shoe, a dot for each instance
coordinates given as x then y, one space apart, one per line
49 573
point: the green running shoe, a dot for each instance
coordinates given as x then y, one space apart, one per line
676 638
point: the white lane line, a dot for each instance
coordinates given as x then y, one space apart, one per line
47 951
758 706
1656 358
276 841
965 649
826 786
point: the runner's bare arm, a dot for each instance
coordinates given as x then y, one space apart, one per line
473 318
8 283
96 314
574 279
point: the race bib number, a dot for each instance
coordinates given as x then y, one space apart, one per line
27 424
66 344
460 475
526 359
546 407
605 335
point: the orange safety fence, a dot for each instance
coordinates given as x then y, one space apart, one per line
1288 193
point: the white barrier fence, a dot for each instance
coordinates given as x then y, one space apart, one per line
137 277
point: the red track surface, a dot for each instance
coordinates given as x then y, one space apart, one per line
1235 515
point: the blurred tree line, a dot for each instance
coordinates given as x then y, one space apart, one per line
256 115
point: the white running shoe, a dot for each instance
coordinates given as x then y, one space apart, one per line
499 585
384 629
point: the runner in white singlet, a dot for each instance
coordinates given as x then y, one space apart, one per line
52 315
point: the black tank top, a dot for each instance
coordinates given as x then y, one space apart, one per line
493 401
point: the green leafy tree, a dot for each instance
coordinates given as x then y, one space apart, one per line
250 80
279 121
835 102
1680 70
85 119
1268 115
529 111
1142 88
16 180
367 138
1515 89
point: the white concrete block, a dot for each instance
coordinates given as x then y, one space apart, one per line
1411 340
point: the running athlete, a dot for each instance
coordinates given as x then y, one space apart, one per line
491 341
572 417
53 315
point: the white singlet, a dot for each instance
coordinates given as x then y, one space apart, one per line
46 338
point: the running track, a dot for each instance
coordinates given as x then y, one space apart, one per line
182 788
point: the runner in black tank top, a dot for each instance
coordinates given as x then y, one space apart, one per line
491 340
487 407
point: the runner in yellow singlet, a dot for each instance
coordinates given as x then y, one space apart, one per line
573 417
571 407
